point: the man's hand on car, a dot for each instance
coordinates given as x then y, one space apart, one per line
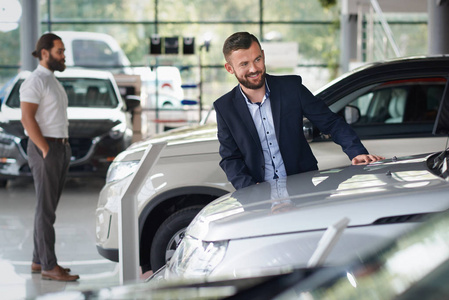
364 159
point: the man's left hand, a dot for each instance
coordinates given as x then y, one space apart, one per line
364 159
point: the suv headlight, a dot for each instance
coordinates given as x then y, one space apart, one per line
121 169
195 258
117 131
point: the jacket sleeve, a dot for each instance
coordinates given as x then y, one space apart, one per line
329 122
232 160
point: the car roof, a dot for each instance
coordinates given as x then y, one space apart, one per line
415 66
85 35
80 72
76 72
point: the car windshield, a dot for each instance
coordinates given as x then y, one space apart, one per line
81 92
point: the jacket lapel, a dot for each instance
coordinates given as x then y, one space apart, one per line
275 100
239 103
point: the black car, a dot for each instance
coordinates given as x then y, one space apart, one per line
99 124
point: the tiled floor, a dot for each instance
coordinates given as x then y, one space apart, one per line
75 241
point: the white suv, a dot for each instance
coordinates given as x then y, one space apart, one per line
392 107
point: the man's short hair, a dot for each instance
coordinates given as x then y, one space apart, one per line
237 41
46 42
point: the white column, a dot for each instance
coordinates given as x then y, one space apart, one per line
29 33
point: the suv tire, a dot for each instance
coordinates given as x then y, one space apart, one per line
169 235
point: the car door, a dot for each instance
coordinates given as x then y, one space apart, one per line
393 118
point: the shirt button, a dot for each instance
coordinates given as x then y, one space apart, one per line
268 132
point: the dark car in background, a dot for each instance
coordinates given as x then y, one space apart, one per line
99 124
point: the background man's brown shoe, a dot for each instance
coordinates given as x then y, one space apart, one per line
37 268
58 274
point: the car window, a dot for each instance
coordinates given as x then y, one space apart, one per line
93 53
413 102
81 92
87 92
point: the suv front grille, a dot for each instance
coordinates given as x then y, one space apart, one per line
80 147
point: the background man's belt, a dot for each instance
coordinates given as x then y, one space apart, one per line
57 140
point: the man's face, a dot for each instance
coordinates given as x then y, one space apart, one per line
248 66
56 57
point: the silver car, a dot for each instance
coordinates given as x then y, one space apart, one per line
278 225
391 105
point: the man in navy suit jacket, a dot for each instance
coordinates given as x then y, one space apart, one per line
260 121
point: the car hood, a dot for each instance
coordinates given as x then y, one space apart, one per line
189 140
83 122
372 194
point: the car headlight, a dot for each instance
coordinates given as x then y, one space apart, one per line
117 131
121 169
195 258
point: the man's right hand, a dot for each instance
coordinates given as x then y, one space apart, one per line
45 152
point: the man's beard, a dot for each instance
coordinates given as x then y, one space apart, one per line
55 65
253 86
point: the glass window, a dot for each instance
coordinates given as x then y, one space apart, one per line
92 53
206 10
397 102
294 10
100 9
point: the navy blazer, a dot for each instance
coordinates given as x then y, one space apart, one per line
240 147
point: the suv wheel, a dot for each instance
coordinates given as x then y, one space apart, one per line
169 235
3 183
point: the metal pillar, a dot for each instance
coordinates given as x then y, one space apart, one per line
29 33
438 12
345 37
348 37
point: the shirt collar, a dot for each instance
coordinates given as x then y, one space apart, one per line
43 69
267 94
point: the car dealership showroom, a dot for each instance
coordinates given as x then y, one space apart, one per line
138 159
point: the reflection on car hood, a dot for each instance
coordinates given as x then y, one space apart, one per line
189 140
315 200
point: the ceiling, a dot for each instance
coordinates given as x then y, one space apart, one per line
400 6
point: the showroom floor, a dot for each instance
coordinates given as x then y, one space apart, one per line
75 241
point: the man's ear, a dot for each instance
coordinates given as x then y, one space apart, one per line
229 68
45 54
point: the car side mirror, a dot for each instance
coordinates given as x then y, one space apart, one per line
307 128
352 114
132 102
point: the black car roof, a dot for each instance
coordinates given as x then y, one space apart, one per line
386 70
